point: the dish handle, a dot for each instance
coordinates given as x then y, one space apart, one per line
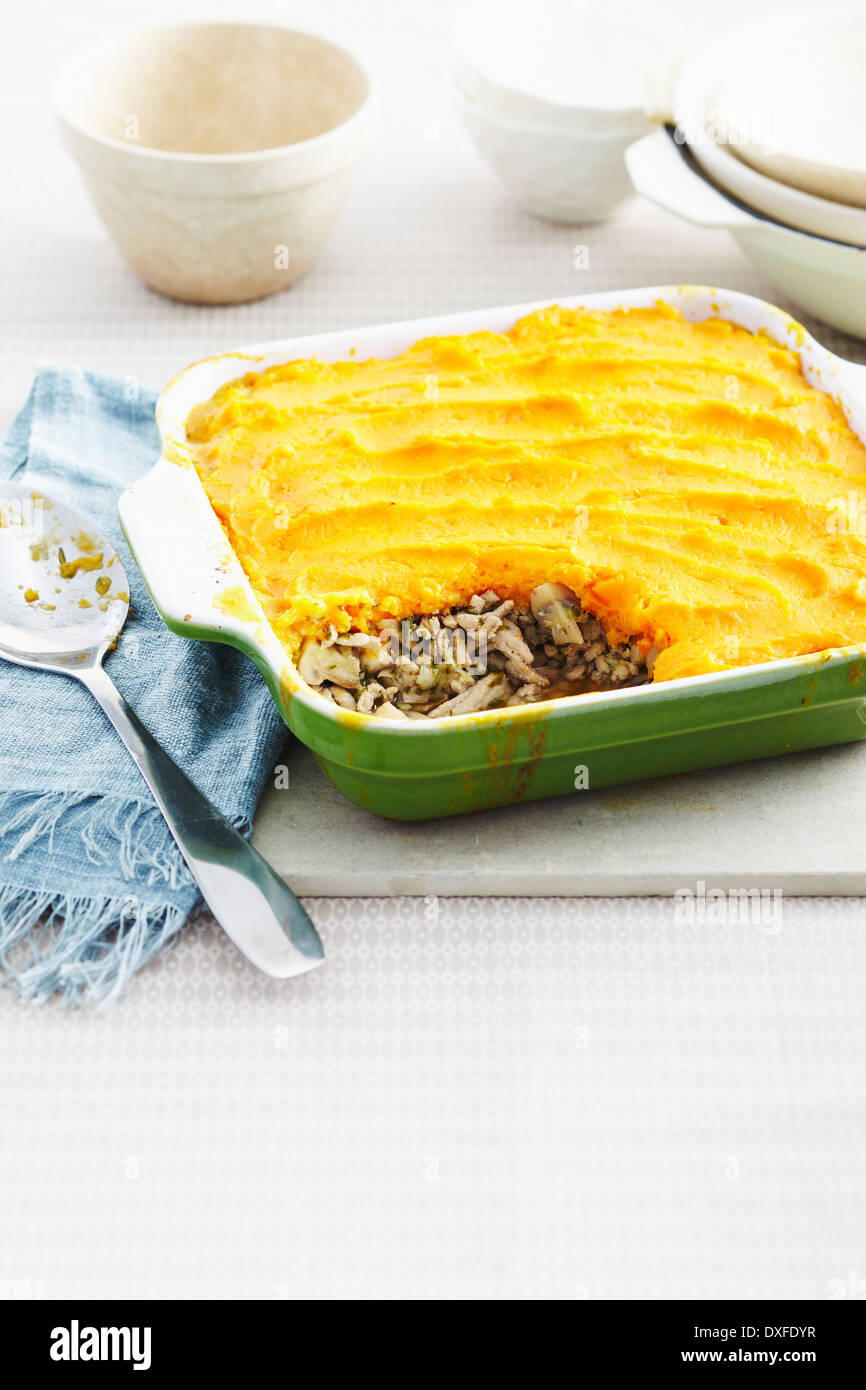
661 173
194 577
855 375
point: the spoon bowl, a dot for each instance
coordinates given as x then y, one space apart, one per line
63 588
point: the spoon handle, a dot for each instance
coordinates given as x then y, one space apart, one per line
251 903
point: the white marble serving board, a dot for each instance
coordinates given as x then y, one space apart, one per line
795 823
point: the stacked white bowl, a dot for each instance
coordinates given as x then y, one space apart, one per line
553 92
769 129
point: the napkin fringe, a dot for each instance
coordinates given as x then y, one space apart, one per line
116 829
85 948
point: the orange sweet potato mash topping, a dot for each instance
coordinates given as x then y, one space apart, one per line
682 478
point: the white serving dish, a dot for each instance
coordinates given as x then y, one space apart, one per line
587 67
826 277
554 173
701 123
197 581
217 155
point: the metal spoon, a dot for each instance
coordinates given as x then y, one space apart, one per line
64 598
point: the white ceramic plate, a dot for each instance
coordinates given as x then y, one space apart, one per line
704 127
794 104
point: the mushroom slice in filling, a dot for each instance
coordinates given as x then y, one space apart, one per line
487 654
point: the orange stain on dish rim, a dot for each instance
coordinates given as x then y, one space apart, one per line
236 603
504 754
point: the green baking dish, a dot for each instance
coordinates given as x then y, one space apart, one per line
415 771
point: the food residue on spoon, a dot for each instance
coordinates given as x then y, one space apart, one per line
69 568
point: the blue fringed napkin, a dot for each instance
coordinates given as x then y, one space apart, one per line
91 883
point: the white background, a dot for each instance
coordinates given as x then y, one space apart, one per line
474 1099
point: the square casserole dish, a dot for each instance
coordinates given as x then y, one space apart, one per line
417 770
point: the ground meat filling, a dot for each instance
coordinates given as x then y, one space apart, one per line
488 655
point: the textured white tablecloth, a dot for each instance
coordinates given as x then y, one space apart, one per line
476 1098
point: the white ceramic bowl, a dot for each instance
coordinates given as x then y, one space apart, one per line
826 277
585 65
699 121
557 174
217 155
